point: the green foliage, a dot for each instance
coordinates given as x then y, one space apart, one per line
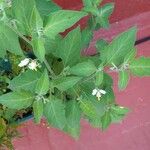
140 67
54 111
17 100
61 20
123 80
38 110
47 73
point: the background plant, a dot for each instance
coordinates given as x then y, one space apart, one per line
47 72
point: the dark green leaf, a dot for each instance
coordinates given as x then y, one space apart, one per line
70 48
106 120
54 111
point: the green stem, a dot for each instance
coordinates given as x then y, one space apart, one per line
49 67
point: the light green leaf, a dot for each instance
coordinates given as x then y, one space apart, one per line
8 41
25 81
17 100
73 114
83 69
61 20
70 48
22 10
66 83
104 13
140 67
106 120
54 111
123 79
43 84
38 110
117 50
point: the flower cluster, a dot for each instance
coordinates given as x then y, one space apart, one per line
31 64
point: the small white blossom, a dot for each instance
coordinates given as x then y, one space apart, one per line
33 65
98 93
24 62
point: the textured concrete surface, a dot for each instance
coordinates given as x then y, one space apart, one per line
131 134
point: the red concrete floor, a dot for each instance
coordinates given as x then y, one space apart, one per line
131 134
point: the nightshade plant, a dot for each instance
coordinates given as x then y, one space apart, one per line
42 70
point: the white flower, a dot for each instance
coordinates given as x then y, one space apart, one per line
33 65
98 93
24 62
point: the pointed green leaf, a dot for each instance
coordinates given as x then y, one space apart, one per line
140 67
73 114
117 50
99 78
43 84
123 79
104 13
65 83
106 120
8 41
100 45
54 111
88 108
25 81
83 69
70 48
38 110
61 20
17 100
22 10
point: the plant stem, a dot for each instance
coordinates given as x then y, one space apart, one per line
48 67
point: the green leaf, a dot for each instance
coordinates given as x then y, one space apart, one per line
118 113
90 3
38 110
104 13
9 37
140 67
61 20
17 100
99 78
88 108
73 115
36 25
123 79
86 37
70 48
46 7
43 84
117 50
25 81
65 83
83 69
38 48
100 45
54 111
106 120
2 128
22 10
